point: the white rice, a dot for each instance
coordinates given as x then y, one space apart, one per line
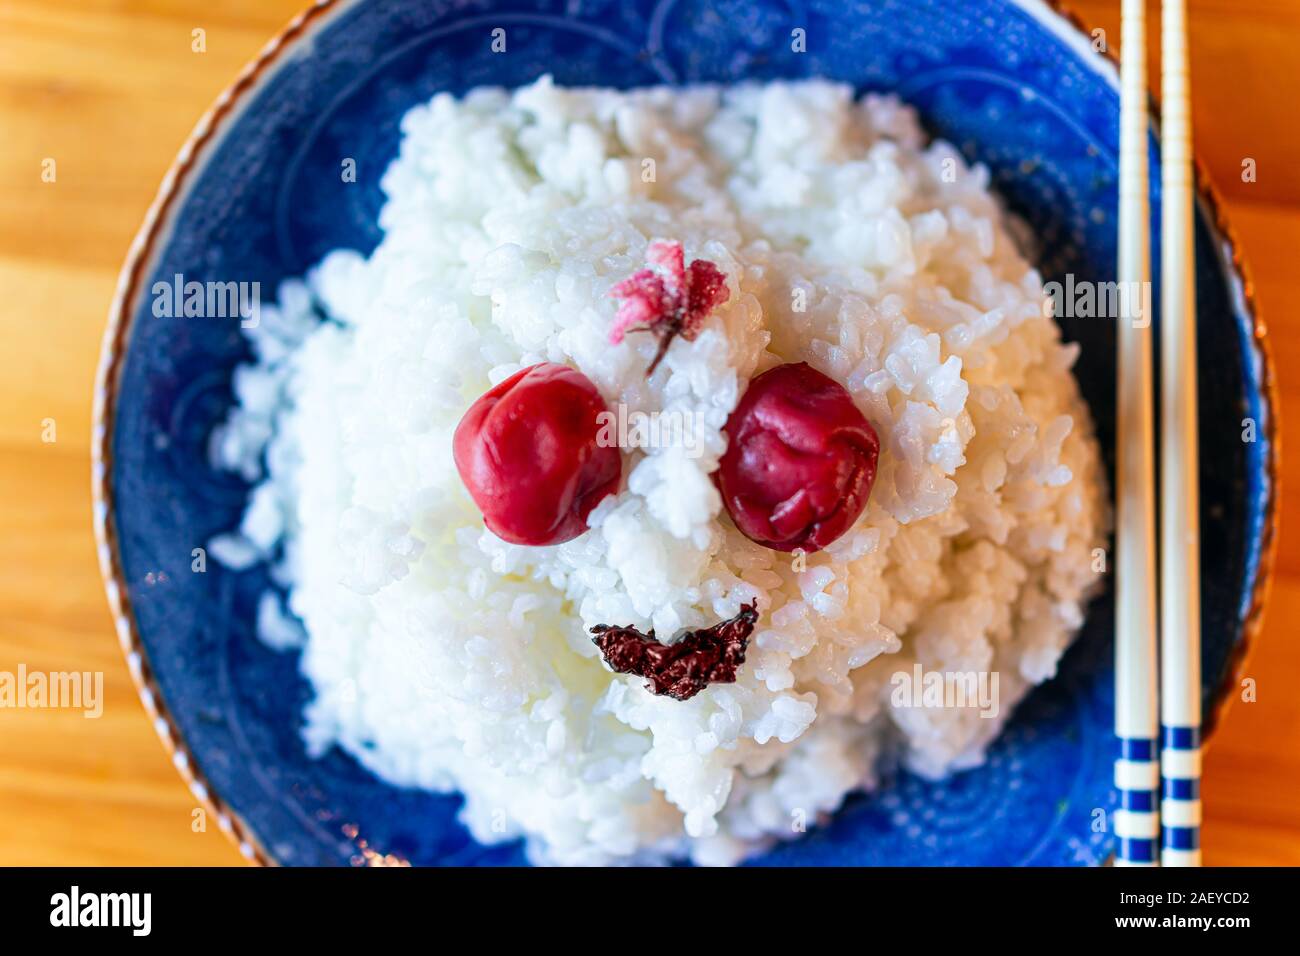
444 658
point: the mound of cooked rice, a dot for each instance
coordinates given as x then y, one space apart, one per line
443 657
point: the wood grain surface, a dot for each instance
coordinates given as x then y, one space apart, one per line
109 89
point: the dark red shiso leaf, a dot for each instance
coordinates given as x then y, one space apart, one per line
682 669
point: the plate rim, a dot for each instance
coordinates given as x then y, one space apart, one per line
199 147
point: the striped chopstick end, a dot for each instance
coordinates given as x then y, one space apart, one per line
1180 804
1137 823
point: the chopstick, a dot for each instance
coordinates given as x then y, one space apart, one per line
1180 572
1137 770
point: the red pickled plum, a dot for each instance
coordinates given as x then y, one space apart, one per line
800 460
528 453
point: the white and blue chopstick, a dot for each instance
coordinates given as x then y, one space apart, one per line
1137 768
1180 540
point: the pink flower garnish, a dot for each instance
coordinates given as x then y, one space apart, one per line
668 300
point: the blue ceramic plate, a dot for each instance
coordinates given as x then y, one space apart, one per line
256 196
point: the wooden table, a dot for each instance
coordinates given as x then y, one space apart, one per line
110 88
